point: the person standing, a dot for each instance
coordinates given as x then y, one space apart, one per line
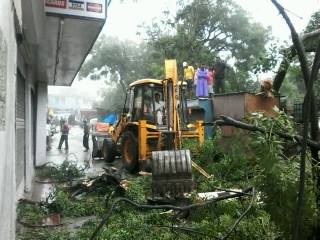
211 81
64 135
202 82
219 68
188 74
195 78
48 131
158 109
86 135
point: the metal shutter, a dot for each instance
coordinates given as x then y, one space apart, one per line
20 130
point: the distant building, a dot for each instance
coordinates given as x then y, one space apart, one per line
88 114
70 101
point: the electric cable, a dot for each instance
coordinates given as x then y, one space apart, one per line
173 207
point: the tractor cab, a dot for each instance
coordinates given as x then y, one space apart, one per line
149 134
145 101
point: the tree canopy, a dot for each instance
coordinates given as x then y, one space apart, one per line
205 31
116 60
201 32
119 63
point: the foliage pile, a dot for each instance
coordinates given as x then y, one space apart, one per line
265 161
277 174
253 159
128 223
64 172
31 213
60 201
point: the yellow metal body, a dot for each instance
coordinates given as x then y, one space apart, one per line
146 131
145 81
149 132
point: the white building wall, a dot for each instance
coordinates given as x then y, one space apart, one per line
7 134
42 101
29 133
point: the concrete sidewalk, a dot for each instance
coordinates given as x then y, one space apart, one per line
75 153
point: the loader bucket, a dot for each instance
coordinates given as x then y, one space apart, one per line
171 173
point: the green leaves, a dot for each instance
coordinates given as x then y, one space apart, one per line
265 161
64 172
279 172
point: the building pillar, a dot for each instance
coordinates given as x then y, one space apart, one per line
29 140
42 100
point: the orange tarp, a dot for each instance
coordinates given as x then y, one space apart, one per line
102 127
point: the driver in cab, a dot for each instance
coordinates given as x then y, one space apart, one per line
158 108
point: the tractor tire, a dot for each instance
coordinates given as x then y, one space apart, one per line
94 152
94 148
108 151
129 152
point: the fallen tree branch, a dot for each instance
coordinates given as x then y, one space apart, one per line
288 55
39 225
228 121
296 42
173 207
307 36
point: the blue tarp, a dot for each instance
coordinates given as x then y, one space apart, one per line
109 118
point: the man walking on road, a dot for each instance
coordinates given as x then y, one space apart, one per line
64 136
86 135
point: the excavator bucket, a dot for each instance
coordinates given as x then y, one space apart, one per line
171 173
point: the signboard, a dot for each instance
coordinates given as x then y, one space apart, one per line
77 8
94 7
76 5
56 3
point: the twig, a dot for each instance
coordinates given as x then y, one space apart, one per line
232 191
241 217
293 13
38 225
201 170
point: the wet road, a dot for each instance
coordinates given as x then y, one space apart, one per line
75 151
76 154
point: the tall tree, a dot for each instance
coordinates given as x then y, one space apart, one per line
119 61
205 30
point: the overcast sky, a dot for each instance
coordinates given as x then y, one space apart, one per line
123 18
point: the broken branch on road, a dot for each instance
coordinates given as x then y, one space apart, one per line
228 121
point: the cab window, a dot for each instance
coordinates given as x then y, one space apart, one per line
137 104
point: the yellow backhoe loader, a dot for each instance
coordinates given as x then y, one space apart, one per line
150 132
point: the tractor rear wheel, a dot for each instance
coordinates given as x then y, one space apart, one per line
108 151
94 147
129 152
